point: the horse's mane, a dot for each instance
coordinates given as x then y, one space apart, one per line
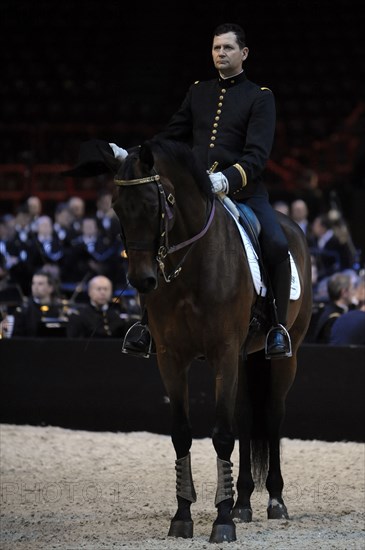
177 152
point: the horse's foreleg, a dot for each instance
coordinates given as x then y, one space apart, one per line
181 524
224 528
242 511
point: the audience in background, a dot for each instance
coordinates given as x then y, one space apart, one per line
100 318
76 246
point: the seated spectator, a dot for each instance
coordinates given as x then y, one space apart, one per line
62 222
107 219
332 255
281 206
45 246
299 213
340 293
77 208
34 205
100 318
90 254
349 329
43 314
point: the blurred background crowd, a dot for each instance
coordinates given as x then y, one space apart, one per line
75 71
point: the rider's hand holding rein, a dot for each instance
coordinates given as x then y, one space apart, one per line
219 183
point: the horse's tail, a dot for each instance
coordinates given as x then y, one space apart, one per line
258 377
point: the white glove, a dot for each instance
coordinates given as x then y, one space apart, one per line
219 183
119 152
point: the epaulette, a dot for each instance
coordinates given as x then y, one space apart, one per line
264 88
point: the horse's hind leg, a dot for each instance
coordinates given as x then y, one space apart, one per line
282 376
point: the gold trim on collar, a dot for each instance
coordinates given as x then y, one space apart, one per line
242 173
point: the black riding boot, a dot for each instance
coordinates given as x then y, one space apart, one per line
278 342
138 340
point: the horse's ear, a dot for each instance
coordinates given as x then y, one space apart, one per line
145 155
112 163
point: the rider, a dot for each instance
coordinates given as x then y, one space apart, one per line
230 122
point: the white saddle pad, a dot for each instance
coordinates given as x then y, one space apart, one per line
252 257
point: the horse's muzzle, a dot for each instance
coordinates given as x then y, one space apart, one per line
142 271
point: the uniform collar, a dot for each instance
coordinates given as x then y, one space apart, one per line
231 81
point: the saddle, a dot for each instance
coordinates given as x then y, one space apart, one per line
260 313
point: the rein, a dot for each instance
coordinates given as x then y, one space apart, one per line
166 217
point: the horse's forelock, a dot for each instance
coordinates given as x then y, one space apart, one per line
126 170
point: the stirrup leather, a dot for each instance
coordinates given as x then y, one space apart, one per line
136 353
286 335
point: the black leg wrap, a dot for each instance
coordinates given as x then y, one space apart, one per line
225 481
184 479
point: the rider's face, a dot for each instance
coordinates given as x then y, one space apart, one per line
227 55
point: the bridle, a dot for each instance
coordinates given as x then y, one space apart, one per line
167 203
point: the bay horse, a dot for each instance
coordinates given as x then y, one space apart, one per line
186 260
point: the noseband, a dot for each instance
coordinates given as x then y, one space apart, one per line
166 207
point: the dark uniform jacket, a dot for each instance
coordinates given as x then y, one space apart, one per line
36 319
349 329
228 122
322 330
92 322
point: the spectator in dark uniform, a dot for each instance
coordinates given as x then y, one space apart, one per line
349 328
77 208
90 254
38 317
45 246
332 254
100 318
340 293
62 223
107 219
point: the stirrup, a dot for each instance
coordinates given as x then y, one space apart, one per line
286 335
136 353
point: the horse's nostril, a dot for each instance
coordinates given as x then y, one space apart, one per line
144 285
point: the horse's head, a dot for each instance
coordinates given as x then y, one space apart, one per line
144 214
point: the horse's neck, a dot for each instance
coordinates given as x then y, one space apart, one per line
191 210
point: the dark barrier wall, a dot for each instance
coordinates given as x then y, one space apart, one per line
93 386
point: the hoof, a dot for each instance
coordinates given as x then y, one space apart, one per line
242 515
276 510
223 533
179 528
